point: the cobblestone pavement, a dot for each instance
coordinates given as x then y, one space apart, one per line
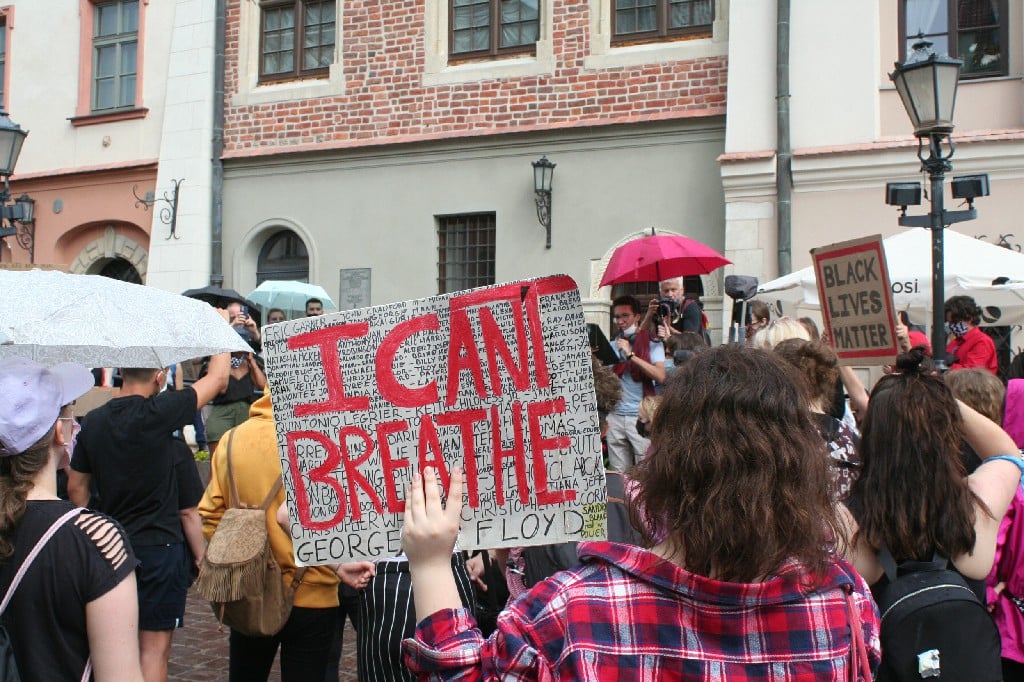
200 650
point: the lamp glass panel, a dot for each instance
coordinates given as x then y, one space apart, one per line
538 177
920 85
947 77
901 87
10 148
549 173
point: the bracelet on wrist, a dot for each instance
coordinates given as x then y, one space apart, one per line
631 356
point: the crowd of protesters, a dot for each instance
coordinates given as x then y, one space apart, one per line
756 493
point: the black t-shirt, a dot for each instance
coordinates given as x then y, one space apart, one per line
690 318
127 447
85 559
190 486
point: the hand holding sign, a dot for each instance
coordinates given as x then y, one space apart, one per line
428 537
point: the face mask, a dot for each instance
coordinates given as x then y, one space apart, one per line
958 329
629 331
641 428
237 362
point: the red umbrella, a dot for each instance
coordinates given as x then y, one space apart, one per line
659 257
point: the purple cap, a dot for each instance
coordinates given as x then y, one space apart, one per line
33 395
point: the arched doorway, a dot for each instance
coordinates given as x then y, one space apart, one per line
119 268
283 257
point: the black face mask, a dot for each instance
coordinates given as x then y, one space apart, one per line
641 428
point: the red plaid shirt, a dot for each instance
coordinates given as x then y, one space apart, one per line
626 614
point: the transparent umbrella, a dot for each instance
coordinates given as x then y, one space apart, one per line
289 295
55 317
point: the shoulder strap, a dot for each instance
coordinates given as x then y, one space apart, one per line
54 527
272 494
232 488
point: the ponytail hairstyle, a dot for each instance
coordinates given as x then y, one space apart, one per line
17 476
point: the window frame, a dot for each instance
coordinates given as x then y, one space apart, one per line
953 34
663 32
6 21
299 27
295 267
494 31
489 228
118 41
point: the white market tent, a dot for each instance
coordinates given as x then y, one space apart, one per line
970 267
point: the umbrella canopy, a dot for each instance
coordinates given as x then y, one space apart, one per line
659 257
289 295
221 298
54 317
970 267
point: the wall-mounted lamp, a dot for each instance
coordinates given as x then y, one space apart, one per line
543 173
168 213
18 219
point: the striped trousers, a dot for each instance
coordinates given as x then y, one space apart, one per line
387 616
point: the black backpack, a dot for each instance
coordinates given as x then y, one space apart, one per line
933 625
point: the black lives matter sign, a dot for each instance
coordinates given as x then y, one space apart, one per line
496 380
856 300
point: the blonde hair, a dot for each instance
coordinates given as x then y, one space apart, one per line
648 408
978 389
779 330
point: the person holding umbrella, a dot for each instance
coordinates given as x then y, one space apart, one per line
128 447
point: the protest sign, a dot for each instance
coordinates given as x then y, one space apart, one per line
496 380
857 310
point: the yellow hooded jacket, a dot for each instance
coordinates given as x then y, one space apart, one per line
256 465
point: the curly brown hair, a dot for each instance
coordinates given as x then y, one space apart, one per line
728 477
818 366
17 474
913 485
980 389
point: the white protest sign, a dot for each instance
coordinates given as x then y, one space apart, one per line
496 380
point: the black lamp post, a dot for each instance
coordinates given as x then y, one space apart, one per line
22 211
927 84
543 174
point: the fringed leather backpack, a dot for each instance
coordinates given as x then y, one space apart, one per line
239 574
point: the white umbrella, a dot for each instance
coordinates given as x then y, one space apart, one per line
970 267
289 295
52 317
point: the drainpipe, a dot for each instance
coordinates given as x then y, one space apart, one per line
217 180
784 150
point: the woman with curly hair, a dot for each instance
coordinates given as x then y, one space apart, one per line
818 365
970 346
744 584
913 499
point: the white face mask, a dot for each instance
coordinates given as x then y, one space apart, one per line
629 331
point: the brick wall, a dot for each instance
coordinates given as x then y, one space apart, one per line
385 100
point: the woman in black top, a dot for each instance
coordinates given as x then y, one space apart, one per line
76 605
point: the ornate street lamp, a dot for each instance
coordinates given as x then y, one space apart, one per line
543 173
22 211
927 84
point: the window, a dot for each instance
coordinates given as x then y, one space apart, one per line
296 38
480 28
972 30
115 46
3 62
283 256
639 20
465 251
